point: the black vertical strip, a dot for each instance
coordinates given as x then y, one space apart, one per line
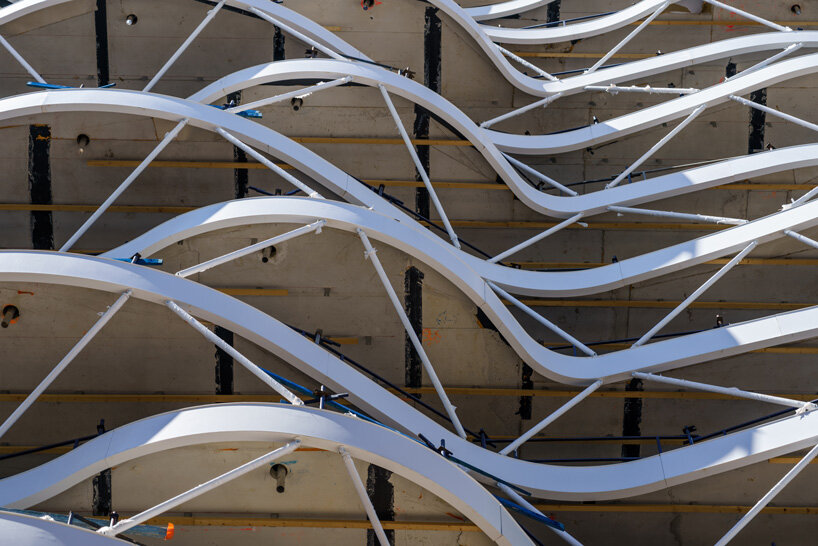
526 384
553 11
101 27
382 494
632 418
431 79
102 501
758 120
39 185
413 301
224 363
278 45
240 176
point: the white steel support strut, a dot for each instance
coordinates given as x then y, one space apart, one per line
525 63
541 319
730 391
539 237
224 258
615 89
537 174
423 174
209 17
655 148
749 16
792 48
296 34
525 504
362 494
297 94
269 164
63 364
774 112
21 60
696 293
798 237
765 500
680 215
200 489
169 136
510 448
372 255
629 37
240 358
522 110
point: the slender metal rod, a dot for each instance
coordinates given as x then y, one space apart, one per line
696 293
655 148
541 319
200 489
629 37
240 358
372 255
516 497
297 94
792 48
537 174
269 164
296 34
224 258
21 60
798 237
765 500
362 494
614 89
730 391
525 63
124 186
749 16
680 215
551 418
209 17
522 110
539 237
774 112
63 364
423 174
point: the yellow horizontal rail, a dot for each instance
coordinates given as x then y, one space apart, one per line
718 261
651 304
675 508
211 521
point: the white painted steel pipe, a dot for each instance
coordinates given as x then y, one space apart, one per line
629 37
798 237
169 136
224 258
765 500
564 535
614 89
66 360
792 48
297 94
749 16
421 170
240 358
539 237
680 215
21 60
525 63
537 174
372 255
200 489
587 391
362 494
209 17
774 112
696 293
655 148
730 391
541 319
295 33
522 110
269 164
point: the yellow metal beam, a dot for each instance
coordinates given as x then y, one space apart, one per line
674 508
719 261
211 521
